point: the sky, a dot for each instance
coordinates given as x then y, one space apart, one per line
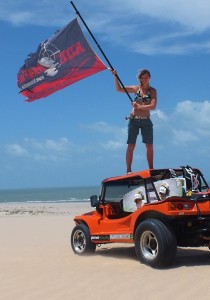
77 136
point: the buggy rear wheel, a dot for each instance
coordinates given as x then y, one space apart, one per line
155 243
81 240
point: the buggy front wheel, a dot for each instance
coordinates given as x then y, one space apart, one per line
81 240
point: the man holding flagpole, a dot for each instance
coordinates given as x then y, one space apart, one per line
139 118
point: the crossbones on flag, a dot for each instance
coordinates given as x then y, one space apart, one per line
61 60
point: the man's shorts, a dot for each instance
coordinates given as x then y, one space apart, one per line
146 127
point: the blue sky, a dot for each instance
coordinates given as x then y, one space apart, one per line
77 136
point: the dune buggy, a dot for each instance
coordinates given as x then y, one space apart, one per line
173 210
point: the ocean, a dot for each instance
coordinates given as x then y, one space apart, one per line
49 195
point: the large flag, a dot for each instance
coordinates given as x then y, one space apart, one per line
61 60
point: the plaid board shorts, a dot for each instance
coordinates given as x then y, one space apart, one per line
146 127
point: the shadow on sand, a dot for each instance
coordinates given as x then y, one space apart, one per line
187 257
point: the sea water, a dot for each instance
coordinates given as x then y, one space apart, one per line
49 195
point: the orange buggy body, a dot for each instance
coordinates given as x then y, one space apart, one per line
180 217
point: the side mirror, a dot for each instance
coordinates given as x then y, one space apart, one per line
94 201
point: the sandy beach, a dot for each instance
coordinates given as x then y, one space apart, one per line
37 262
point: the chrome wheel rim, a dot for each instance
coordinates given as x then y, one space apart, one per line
149 245
79 241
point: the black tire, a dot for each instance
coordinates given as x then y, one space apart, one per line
155 244
81 240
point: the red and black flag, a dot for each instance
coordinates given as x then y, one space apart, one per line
61 60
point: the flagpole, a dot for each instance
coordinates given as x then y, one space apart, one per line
110 65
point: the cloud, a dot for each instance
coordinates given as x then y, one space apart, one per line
111 138
193 16
103 127
187 124
148 27
113 145
194 115
159 114
44 12
52 145
47 150
118 135
16 150
195 118
154 27
172 44
182 136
